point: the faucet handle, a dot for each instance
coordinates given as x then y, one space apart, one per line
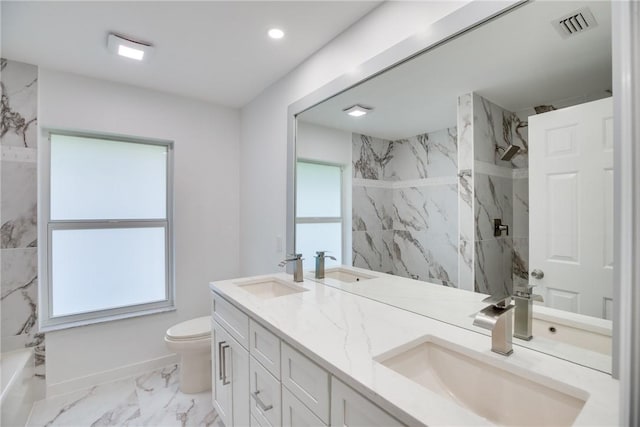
526 292
523 291
499 301
488 316
294 257
322 254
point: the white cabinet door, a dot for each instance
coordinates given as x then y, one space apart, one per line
350 409
571 206
221 389
231 378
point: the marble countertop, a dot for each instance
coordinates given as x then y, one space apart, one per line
458 307
343 333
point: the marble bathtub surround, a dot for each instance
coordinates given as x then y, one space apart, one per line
405 205
18 125
18 211
150 399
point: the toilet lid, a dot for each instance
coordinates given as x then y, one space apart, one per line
194 328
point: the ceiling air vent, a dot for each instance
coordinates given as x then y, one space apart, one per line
576 22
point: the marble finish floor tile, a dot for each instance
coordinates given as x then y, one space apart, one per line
150 399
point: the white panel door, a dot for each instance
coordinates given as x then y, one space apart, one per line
571 206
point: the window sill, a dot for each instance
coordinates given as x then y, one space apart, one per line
104 319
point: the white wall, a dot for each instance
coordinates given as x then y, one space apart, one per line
323 144
263 149
206 221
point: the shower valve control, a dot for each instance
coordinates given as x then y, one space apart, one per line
499 227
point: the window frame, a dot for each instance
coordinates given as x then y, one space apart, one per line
46 227
325 219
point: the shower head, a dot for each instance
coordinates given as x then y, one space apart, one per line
509 152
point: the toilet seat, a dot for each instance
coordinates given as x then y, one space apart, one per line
193 329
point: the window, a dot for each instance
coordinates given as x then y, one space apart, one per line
318 211
108 240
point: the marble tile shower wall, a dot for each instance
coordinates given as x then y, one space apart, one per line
500 191
405 212
18 232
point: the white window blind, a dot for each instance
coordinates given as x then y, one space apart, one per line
109 231
319 219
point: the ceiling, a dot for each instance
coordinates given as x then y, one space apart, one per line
516 61
217 51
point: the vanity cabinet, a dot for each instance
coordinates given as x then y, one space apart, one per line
261 381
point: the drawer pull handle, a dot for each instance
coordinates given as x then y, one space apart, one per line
260 403
223 363
220 343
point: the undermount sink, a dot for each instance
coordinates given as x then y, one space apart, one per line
269 287
502 395
584 337
344 275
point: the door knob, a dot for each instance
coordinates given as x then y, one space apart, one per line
537 274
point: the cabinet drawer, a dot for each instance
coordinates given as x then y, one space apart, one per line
231 319
265 402
295 414
307 381
265 347
349 409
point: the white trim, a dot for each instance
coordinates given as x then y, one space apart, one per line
122 372
320 220
492 169
626 96
411 183
521 173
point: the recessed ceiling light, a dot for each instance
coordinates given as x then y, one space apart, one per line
276 33
357 110
128 48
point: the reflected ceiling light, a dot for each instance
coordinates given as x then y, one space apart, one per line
276 33
128 48
357 110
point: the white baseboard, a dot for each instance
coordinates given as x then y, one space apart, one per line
82 383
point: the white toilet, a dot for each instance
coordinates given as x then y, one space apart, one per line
192 341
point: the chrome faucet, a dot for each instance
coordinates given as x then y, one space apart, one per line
320 257
297 270
498 318
524 298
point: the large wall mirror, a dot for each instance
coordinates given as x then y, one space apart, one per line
483 166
